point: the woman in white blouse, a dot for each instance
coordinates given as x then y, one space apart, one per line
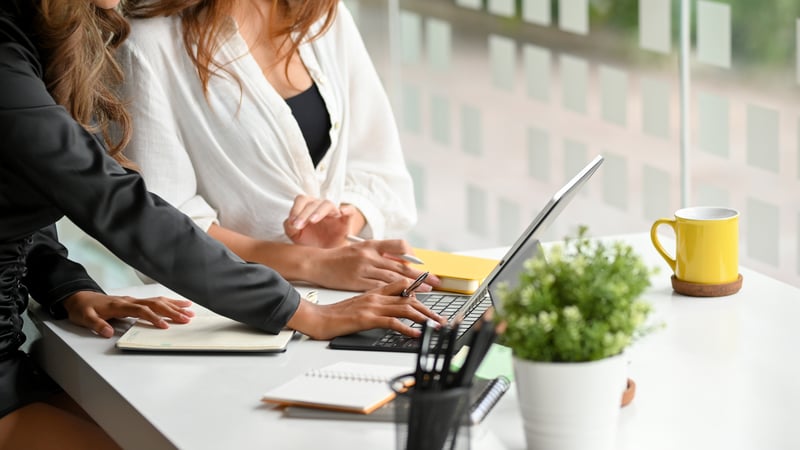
273 133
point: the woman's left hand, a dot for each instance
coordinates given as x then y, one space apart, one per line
319 223
92 309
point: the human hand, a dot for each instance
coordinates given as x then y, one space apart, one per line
378 308
320 223
366 265
92 309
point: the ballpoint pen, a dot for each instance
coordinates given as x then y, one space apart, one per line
482 338
423 363
450 349
410 289
439 350
409 258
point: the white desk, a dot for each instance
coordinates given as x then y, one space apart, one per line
723 374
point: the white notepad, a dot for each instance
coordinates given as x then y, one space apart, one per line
343 386
208 332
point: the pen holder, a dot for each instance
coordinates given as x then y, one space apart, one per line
432 419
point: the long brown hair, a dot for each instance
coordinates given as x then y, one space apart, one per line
204 25
77 40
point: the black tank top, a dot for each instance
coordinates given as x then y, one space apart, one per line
309 110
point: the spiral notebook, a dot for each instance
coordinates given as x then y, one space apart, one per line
343 386
484 394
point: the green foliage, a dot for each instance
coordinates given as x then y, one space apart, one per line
580 304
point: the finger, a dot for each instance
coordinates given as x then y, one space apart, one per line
392 289
394 274
173 309
304 216
409 308
167 302
347 209
168 310
428 312
298 206
400 327
300 202
394 314
324 210
289 229
177 302
424 287
412 274
93 322
137 310
433 281
393 247
391 270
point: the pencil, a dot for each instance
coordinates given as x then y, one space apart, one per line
409 258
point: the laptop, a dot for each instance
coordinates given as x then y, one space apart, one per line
472 307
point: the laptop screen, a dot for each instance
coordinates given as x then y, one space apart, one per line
528 245
471 308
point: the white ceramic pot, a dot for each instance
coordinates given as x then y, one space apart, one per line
570 406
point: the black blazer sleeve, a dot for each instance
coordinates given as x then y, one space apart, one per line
51 276
65 167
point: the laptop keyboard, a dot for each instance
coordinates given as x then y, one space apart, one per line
446 305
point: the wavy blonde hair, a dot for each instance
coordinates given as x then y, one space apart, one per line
204 24
77 41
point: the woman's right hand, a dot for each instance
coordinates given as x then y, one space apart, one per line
365 265
378 308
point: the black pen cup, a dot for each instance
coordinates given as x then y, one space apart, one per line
431 419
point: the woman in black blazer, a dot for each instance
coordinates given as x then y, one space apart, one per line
57 158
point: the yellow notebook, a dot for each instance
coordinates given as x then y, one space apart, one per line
459 273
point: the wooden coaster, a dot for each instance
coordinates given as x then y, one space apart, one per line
706 290
629 393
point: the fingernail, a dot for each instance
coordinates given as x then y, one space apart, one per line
298 224
107 331
314 218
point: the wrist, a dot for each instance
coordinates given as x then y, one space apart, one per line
306 263
306 319
357 221
62 307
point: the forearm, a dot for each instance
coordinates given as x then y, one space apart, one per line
293 262
51 276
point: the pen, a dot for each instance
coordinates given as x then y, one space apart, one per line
423 363
437 352
410 289
482 338
409 258
450 349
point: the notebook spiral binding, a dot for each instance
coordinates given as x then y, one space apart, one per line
338 375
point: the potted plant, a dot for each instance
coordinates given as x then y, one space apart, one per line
569 320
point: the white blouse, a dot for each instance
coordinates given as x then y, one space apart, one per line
239 157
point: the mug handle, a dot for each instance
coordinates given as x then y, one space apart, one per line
657 243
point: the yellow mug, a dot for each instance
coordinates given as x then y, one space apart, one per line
706 244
